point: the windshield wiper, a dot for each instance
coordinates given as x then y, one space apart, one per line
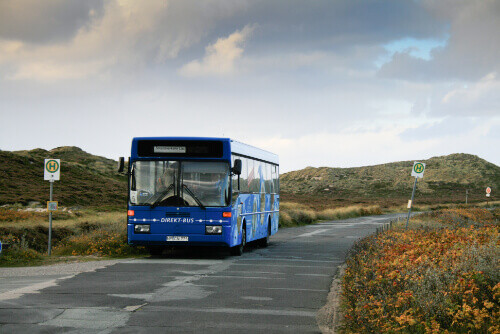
193 196
163 193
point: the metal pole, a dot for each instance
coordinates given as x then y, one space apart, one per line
50 218
411 204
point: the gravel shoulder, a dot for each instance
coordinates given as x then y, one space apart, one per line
329 316
72 268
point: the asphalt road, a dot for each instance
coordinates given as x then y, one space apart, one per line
276 289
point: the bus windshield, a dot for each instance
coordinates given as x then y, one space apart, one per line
179 183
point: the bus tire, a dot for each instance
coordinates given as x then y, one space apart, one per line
155 250
238 250
264 242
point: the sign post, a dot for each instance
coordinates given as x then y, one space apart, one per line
52 172
418 172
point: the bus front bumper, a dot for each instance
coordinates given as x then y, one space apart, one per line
178 239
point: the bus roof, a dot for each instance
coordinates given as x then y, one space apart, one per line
236 147
253 152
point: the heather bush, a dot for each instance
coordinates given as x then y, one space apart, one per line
17 251
426 280
97 242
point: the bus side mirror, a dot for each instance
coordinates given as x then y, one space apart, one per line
237 167
121 164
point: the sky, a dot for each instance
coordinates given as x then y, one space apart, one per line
320 83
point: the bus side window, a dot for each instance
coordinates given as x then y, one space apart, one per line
235 189
244 175
276 178
252 176
269 179
262 174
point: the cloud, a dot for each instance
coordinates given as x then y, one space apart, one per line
221 57
342 149
128 34
479 98
117 35
472 49
352 148
39 22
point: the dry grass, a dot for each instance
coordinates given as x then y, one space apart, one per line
349 212
81 234
295 214
25 219
99 240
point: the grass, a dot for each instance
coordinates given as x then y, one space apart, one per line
86 180
442 275
295 214
80 236
108 238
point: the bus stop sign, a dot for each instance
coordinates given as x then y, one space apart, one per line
418 169
52 169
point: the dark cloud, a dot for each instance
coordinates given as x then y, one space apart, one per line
331 25
403 65
472 50
37 21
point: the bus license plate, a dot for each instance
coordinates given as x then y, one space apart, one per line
177 238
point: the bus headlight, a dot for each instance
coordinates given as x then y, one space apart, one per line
141 228
213 229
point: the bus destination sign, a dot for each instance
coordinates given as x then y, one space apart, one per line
180 148
170 149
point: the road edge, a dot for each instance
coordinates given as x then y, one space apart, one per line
329 316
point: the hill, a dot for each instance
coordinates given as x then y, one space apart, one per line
89 180
86 179
446 179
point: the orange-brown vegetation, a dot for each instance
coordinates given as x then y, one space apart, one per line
440 277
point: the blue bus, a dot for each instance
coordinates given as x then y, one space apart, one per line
202 192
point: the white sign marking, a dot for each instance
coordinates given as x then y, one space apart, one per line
418 169
52 169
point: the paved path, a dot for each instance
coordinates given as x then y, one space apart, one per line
278 289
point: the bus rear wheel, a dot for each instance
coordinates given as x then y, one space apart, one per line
264 242
238 250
